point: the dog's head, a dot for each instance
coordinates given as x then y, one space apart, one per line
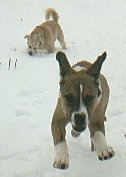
79 90
34 41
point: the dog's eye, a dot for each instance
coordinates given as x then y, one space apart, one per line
35 48
72 101
69 98
30 47
89 99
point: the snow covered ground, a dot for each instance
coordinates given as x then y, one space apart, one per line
28 92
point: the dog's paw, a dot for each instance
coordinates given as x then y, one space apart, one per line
106 153
59 163
103 151
62 156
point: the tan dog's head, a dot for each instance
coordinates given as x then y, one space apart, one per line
79 91
34 42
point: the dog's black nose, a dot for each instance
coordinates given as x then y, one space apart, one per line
30 53
80 123
80 119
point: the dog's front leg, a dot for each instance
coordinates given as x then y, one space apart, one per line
58 132
97 132
103 151
61 158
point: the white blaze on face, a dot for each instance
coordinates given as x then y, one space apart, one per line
82 108
78 68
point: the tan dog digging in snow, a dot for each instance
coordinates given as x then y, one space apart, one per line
83 99
44 36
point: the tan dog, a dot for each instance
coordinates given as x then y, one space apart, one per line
44 36
83 99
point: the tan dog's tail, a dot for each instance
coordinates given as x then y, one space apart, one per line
50 12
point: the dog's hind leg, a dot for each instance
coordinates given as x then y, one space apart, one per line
58 132
49 47
61 39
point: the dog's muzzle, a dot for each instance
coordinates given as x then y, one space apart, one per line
79 124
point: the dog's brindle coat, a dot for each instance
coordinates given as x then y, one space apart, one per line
84 95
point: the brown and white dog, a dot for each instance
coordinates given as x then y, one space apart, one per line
83 99
44 36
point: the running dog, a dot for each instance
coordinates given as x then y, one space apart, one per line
83 99
44 36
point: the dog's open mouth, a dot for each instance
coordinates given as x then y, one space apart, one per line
77 130
80 128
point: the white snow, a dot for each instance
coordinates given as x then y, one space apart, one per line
28 93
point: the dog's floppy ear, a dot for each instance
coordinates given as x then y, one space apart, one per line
26 36
65 67
94 69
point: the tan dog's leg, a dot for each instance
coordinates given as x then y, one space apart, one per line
58 131
49 47
97 132
61 39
